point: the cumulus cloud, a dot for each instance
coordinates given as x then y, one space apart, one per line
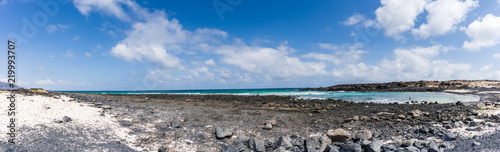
56 27
210 62
275 63
46 82
76 38
158 37
354 19
407 64
483 32
110 7
443 16
486 67
496 55
87 54
398 16
340 54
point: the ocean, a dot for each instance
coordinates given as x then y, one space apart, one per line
376 97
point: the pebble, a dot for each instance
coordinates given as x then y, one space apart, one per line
474 123
257 144
235 146
475 144
106 107
374 147
401 116
339 135
325 141
433 147
498 128
366 134
415 113
297 141
272 122
450 136
223 132
313 144
363 142
457 124
355 118
66 119
175 124
421 144
331 148
489 124
202 149
351 147
281 149
268 126
408 143
58 121
473 128
162 149
284 141
411 149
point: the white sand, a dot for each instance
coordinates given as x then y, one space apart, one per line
33 110
459 91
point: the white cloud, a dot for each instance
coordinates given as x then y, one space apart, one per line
486 67
98 46
45 82
3 2
157 38
398 16
76 38
70 54
341 54
210 62
443 16
483 32
273 62
56 27
41 68
419 63
51 56
497 55
354 19
152 40
87 54
109 7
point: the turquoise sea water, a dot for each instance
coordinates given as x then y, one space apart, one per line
377 97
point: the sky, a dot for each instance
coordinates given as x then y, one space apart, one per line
234 44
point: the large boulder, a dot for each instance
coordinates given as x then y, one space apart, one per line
338 135
223 132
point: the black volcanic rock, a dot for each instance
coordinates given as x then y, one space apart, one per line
413 86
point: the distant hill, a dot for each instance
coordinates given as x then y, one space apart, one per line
5 86
415 86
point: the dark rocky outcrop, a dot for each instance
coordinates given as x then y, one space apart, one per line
413 86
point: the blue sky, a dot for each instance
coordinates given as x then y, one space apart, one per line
225 44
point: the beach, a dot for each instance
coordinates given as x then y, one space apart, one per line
176 122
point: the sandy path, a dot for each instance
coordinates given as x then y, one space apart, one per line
88 130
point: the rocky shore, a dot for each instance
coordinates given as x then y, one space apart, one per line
271 123
416 86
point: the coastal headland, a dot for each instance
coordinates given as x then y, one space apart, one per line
416 86
179 122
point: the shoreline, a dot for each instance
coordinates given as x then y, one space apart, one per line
189 122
